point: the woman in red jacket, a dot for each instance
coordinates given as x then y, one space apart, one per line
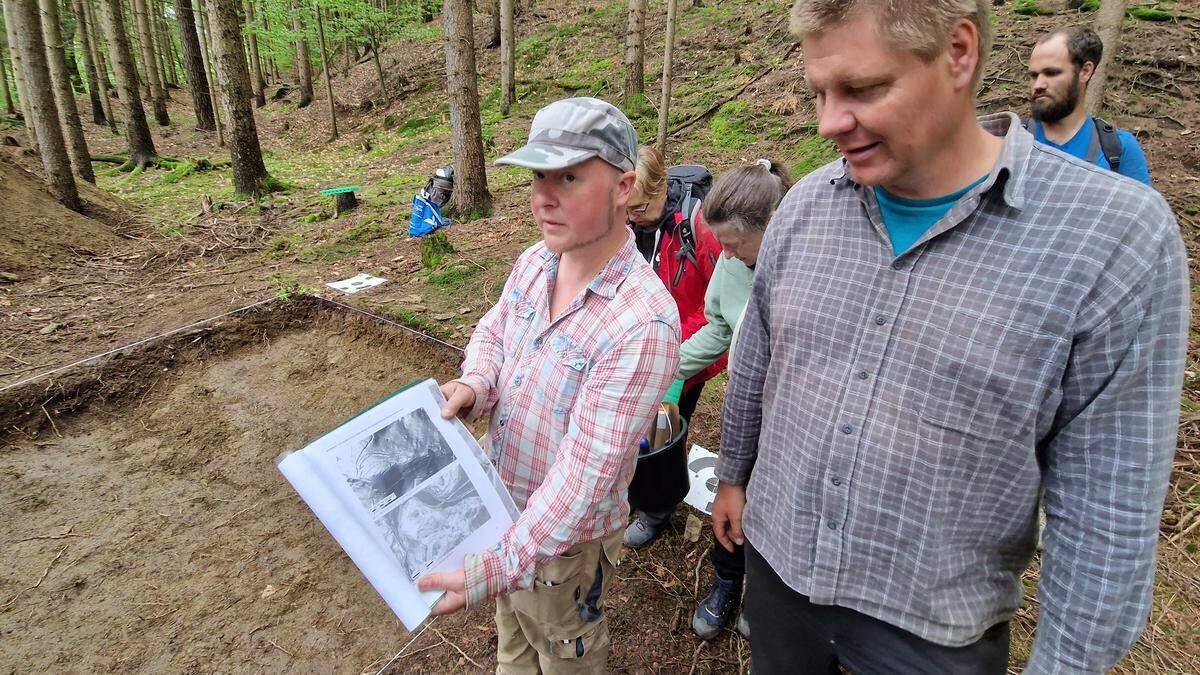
668 224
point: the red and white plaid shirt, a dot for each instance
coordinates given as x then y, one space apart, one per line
570 401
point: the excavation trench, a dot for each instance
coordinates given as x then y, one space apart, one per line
145 525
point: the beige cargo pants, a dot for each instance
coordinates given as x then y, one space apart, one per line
558 625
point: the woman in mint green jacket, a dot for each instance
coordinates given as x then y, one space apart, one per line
738 209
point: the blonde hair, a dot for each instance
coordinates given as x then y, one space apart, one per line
920 27
651 180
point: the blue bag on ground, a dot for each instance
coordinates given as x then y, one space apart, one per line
426 217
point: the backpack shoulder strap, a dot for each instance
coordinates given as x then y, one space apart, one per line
1110 143
1030 125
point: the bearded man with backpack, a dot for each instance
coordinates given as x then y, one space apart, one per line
1060 68
666 215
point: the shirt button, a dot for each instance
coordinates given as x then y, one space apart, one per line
847 429
517 381
836 480
537 342
897 265
832 525
862 374
880 320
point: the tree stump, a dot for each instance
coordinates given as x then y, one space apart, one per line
343 199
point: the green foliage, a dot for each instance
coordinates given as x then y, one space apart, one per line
1029 8
1150 14
454 276
730 126
289 288
812 152
415 320
1089 5
435 249
361 234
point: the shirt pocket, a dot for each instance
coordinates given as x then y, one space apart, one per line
988 379
566 372
519 327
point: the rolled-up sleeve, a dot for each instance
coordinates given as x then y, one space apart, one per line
1108 462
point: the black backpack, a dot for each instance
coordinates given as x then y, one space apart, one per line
1104 140
439 188
696 181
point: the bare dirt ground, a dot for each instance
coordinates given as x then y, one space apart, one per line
148 521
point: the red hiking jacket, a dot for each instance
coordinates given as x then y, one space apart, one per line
686 279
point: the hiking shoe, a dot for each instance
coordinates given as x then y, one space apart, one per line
643 530
743 626
716 610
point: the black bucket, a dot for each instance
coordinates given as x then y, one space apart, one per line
660 480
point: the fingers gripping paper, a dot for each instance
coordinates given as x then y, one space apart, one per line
403 492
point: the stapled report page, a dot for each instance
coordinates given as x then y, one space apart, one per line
404 492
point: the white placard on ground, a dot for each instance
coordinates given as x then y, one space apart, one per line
702 476
356 284
404 492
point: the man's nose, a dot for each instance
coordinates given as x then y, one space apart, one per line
834 119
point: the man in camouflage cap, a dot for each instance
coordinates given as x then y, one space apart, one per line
571 365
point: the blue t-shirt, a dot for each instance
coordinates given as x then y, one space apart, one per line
907 220
1133 160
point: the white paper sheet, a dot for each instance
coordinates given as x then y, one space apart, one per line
356 283
702 476
403 492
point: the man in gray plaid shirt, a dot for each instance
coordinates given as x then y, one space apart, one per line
947 327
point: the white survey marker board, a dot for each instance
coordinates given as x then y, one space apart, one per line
356 283
702 479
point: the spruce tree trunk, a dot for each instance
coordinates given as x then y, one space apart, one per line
150 65
508 60
18 65
378 67
89 64
664 106
303 64
471 197
1109 18
164 47
9 107
495 15
137 131
41 103
256 76
67 38
98 46
325 68
635 51
193 65
205 26
64 94
250 175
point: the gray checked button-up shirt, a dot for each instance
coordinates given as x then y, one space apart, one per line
902 415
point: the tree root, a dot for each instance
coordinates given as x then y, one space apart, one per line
190 166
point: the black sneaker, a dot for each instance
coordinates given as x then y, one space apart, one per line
716 610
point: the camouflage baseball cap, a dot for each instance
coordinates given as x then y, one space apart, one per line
572 130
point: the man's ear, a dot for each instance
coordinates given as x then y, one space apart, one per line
625 187
962 52
1086 71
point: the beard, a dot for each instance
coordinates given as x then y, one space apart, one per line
611 216
1055 108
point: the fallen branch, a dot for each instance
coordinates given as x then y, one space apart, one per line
717 106
456 648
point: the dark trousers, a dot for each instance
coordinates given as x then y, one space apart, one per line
729 566
792 635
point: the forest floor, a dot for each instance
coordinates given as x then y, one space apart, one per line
151 530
